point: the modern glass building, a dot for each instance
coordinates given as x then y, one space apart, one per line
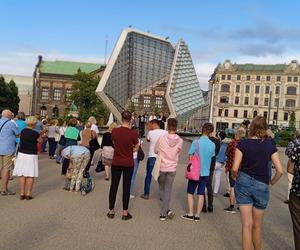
146 73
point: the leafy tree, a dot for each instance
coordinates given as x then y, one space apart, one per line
84 97
9 98
292 121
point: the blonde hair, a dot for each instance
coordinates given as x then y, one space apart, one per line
88 124
92 120
112 126
240 133
31 121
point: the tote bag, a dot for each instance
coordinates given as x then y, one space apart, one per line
156 168
192 171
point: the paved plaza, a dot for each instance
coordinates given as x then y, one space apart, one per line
56 219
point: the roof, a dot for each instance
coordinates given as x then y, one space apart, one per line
67 68
260 67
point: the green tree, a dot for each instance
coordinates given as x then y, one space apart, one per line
9 98
292 121
84 97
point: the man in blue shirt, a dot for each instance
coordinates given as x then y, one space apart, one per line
206 148
21 124
8 134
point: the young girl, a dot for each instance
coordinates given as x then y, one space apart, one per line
168 148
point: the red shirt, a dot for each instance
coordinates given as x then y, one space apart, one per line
124 140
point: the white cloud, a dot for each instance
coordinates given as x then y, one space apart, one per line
204 71
23 62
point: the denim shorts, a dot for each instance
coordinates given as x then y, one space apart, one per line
249 191
201 184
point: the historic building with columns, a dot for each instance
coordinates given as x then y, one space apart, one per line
52 85
240 92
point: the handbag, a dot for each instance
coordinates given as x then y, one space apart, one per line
100 167
156 168
94 144
140 154
192 171
290 167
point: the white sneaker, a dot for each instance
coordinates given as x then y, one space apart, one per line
132 196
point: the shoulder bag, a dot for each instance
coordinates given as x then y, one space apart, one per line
192 171
94 144
156 168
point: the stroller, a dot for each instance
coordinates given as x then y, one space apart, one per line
87 185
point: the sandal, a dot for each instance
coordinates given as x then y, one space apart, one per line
22 197
29 197
110 215
5 193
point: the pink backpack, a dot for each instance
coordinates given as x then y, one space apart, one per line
192 171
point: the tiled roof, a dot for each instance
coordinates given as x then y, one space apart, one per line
260 67
67 68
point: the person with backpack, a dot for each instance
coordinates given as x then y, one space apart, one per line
205 149
168 147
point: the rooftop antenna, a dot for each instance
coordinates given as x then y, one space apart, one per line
105 53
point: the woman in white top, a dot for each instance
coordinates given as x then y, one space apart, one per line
94 127
52 133
61 142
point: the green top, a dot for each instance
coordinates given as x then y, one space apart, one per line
71 133
67 68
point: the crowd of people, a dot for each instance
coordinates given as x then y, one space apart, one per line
247 160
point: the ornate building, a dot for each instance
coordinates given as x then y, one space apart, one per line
239 92
52 85
146 72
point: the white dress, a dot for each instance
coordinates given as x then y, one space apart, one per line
26 165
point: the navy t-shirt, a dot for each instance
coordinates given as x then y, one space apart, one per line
256 156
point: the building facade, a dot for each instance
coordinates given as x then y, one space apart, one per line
52 85
240 92
146 73
24 84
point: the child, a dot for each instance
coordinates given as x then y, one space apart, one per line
168 148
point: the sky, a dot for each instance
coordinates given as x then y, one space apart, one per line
262 32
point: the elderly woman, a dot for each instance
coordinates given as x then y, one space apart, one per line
108 149
27 160
86 136
251 171
293 152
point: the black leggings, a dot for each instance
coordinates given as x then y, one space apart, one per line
116 172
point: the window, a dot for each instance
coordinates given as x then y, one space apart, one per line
247 90
265 114
220 112
277 90
257 89
238 77
246 101
295 79
255 100
235 113
57 94
224 99
257 78
43 111
225 88
285 116
68 94
245 113
275 116
291 91
248 78
236 100
278 78
136 101
147 101
223 77
45 93
228 77
254 113
267 90
226 113
268 78
158 101
289 79
266 102
276 102
237 88
290 103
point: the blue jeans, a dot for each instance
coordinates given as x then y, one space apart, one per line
135 169
249 191
150 166
44 145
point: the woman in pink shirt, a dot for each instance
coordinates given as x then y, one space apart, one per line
168 148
